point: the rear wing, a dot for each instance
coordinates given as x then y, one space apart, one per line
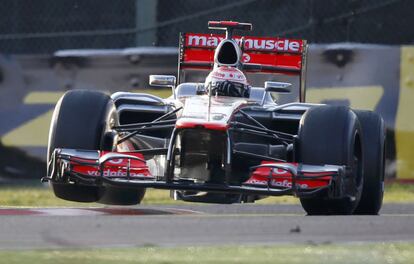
260 54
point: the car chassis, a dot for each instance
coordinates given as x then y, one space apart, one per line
63 161
204 149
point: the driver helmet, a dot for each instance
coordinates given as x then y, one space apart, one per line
227 81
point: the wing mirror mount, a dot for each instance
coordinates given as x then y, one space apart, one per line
163 81
278 87
275 87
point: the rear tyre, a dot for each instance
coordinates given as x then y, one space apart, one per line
80 121
331 135
373 138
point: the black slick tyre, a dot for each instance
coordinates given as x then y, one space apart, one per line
373 135
80 121
331 135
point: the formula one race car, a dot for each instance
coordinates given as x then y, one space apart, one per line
222 140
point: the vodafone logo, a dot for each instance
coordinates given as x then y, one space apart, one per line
116 161
246 57
276 183
114 173
250 43
279 171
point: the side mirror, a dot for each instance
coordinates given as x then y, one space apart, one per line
277 87
162 80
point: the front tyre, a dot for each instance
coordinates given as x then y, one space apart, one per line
331 135
81 120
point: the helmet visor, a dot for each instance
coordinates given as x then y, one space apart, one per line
228 88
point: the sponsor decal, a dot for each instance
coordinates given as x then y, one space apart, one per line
202 41
229 74
116 161
115 173
280 171
282 178
250 43
246 57
276 183
116 167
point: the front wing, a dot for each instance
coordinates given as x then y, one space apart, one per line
129 169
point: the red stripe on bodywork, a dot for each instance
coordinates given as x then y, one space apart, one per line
205 125
283 178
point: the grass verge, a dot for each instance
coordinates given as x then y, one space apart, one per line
43 197
288 254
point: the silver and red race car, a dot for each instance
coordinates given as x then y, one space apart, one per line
221 137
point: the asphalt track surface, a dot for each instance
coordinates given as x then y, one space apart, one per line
187 225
